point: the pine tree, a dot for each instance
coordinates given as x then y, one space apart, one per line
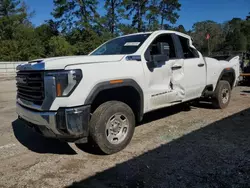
75 13
114 14
181 29
153 15
137 8
12 14
9 7
168 11
248 17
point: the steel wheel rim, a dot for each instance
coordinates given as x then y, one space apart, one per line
117 128
225 95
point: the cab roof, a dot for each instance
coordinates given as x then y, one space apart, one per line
160 32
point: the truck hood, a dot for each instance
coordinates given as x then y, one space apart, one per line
62 62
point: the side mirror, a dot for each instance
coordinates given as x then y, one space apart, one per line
163 49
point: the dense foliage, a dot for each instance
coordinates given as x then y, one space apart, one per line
79 26
233 35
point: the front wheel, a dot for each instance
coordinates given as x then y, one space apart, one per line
222 95
112 126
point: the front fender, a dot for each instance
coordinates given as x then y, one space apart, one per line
116 84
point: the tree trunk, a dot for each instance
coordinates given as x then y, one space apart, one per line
139 17
83 12
162 21
112 16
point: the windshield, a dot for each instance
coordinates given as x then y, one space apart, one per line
122 45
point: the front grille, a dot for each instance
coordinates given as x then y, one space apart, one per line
30 86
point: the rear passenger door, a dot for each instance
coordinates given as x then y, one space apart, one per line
194 69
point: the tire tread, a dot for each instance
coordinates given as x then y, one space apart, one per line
96 120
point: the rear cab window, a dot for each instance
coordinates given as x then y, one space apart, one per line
153 50
188 51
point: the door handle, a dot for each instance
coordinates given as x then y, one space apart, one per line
176 67
201 65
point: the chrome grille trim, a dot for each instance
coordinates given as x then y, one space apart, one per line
30 86
35 96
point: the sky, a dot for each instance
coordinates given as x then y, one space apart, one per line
191 10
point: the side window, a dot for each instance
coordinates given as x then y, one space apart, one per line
188 51
153 50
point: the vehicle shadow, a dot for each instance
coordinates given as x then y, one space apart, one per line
165 112
172 110
152 116
149 117
217 155
245 91
37 143
203 104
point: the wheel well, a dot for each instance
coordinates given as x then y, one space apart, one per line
126 94
230 77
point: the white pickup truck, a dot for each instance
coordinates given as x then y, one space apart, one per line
99 97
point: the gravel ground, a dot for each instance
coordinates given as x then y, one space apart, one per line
175 147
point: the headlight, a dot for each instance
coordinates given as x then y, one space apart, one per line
66 81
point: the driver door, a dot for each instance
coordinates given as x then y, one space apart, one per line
163 79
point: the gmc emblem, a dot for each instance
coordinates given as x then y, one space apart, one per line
22 80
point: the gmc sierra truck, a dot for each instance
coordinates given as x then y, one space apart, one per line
98 98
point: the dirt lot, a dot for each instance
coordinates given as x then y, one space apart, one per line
176 147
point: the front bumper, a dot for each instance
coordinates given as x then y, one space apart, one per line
69 124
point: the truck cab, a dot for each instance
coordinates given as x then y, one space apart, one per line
99 97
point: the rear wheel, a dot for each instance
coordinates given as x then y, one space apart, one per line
222 95
112 126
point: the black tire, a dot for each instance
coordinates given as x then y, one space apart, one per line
218 101
99 121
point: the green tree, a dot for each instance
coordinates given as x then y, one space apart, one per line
81 24
29 45
201 29
75 13
248 16
137 8
45 32
168 11
86 41
152 16
8 50
12 14
10 7
58 46
115 10
237 35
24 46
246 30
181 29
127 29
18 40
